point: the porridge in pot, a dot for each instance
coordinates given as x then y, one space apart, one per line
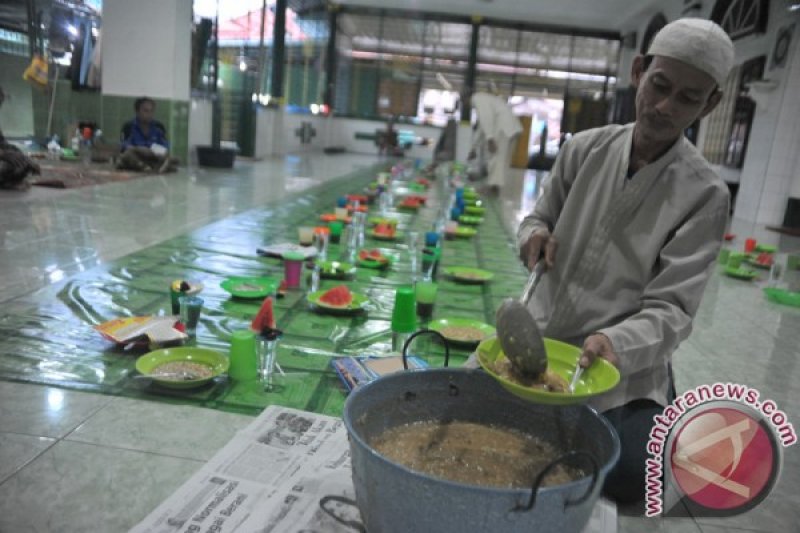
474 454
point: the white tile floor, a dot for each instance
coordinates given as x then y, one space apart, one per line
80 462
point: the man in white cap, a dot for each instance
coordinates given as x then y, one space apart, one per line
630 224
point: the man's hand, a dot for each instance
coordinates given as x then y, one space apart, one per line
540 241
491 145
598 345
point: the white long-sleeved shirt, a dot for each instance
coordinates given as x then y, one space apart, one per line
634 255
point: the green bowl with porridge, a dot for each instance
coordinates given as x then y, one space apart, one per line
183 367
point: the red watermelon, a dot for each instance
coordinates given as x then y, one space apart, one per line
265 317
339 296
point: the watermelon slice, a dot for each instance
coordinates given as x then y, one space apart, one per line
372 255
764 259
339 296
265 317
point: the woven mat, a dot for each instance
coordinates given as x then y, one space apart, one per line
72 175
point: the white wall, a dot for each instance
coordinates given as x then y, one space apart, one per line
200 123
294 121
16 115
147 48
269 132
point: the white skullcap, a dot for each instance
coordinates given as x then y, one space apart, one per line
697 42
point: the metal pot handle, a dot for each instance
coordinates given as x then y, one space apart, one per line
352 524
421 332
546 470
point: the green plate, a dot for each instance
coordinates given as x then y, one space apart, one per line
471 220
336 269
468 275
474 210
147 363
463 232
740 273
782 296
358 303
382 237
442 323
371 263
249 287
766 248
599 378
408 207
374 221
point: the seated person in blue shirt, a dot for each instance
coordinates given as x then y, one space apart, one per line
144 142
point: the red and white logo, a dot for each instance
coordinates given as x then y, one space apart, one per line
724 459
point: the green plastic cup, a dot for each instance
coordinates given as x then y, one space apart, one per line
735 259
723 256
175 306
243 356
426 297
404 316
336 230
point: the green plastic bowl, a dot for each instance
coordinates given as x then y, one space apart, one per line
562 358
147 363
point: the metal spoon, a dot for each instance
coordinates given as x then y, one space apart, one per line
517 331
576 376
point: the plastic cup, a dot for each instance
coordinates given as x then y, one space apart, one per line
336 230
267 355
243 356
412 240
735 260
455 213
321 245
190 307
723 256
404 318
341 213
431 238
426 297
292 269
174 295
306 235
749 245
428 263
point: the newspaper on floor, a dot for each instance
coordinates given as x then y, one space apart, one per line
288 471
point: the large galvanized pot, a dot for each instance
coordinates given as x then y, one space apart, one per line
393 498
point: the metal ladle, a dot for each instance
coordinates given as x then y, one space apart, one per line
518 333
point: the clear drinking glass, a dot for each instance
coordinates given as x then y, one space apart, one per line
267 352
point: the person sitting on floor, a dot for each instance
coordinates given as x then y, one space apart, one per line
388 140
144 141
14 165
